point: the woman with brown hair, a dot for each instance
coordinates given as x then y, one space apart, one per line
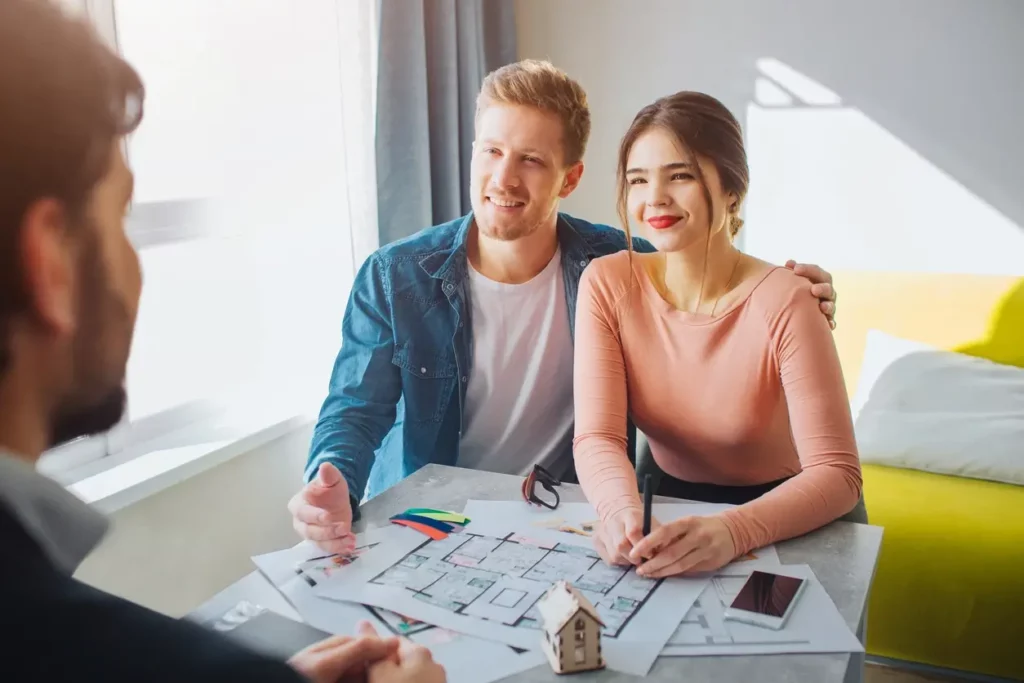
723 360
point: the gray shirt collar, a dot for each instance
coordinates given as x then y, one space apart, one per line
64 526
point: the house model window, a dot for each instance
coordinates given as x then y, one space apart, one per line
572 630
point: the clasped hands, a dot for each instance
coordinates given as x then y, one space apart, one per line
688 545
367 658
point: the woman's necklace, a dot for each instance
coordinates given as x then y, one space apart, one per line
739 254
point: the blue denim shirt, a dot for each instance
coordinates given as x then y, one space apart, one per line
398 389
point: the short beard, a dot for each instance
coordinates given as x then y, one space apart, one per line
510 233
98 402
94 419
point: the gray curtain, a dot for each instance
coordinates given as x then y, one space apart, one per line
434 55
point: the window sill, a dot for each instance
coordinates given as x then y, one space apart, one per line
120 480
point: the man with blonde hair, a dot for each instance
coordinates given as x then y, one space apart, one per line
457 343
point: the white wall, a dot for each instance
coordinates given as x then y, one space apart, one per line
881 136
175 549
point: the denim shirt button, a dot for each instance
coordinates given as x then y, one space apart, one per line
448 287
463 379
423 370
583 263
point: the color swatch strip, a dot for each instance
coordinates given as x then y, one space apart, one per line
436 524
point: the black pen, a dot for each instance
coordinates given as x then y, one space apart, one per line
648 495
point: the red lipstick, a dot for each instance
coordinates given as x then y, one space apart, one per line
662 222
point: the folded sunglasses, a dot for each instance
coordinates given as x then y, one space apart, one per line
548 482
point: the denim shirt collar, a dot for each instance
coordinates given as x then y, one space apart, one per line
451 266
574 246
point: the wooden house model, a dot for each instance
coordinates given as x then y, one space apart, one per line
572 630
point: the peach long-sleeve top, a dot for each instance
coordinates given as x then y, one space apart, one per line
752 395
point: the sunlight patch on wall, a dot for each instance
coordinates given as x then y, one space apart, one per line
767 93
808 91
829 185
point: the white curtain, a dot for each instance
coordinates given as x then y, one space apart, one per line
255 195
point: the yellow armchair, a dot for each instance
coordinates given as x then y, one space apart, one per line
949 590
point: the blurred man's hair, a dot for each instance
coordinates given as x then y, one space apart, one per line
65 97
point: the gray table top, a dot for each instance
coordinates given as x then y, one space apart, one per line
842 555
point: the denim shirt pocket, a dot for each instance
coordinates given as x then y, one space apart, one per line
428 381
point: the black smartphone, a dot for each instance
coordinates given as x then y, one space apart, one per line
766 599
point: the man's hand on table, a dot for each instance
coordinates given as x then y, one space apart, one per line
412 663
343 658
367 658
322 512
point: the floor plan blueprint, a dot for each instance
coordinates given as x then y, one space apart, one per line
485 580
816 625
502 578
297 571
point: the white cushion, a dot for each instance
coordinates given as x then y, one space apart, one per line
923 408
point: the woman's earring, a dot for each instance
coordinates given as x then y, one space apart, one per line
735 223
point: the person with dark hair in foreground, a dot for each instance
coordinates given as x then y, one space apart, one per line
69 290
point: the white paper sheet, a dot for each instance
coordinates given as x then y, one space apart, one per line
296 571
518 512
814 626
486 579
573 521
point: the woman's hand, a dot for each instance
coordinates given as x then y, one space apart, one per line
687 545
615 537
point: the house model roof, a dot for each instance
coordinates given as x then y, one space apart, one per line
561 603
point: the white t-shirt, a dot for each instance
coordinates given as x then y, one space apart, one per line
519 408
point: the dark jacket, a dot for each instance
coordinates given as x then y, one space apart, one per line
56 628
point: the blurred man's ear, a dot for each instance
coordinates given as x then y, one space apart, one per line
572 179
48 265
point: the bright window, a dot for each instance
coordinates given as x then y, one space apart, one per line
255 197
